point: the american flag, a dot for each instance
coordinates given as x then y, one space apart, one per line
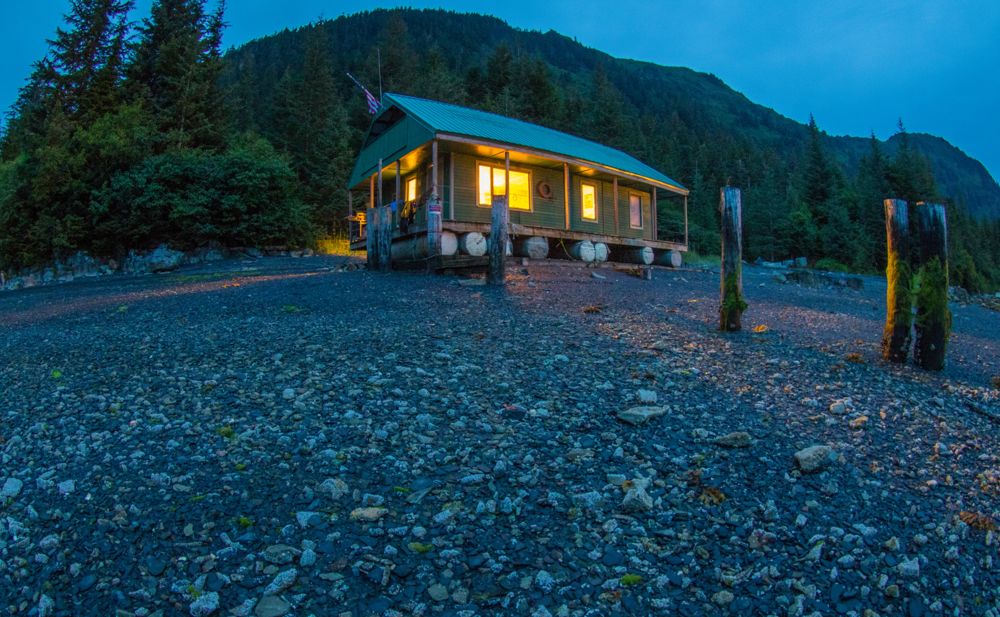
373 103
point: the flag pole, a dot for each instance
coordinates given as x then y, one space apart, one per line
379 52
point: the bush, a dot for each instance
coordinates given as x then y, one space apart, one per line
831 265
188 198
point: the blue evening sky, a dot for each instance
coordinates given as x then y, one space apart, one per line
857 65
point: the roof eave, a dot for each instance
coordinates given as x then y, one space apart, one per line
472 139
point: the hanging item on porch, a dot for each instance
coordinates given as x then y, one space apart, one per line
544 189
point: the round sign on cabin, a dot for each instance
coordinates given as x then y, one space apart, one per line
544 189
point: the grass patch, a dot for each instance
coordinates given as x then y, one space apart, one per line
337 244
56 374
292 309
244 522
630 580
226 431
694 259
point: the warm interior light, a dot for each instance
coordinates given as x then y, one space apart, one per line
491 182
411 189
589 192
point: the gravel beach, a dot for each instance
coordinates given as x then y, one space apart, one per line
284 437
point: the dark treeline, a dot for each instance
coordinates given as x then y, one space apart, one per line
157 138
123 139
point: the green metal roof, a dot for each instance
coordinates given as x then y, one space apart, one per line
462 121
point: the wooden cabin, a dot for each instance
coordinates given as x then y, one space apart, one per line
441 167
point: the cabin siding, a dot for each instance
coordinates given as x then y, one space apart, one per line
544 212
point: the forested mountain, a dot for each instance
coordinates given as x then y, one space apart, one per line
127 137
689 124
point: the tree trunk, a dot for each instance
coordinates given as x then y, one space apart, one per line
933 320
898 274
731 272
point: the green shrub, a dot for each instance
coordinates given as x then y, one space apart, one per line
831 265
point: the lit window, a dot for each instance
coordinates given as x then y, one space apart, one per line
635 211
589 206
411 189
491 182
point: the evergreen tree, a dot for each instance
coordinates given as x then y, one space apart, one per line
175 70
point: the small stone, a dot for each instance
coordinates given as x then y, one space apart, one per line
46 606
308 558
909 568
858 423
66 487
334 488
368 514
272 606
814 458
279 554
640 415
544 581
281 582
723 598
588 501
840 407
307 519
637 500
737 439
647 397
892 544
892 591
11 488
437 592
205 605
288 394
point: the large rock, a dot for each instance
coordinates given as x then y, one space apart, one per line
814 458
640 415
164 259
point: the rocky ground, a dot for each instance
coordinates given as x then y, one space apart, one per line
282 437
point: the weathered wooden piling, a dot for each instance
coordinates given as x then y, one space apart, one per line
498 231
385 238
896 336
933 319
731 273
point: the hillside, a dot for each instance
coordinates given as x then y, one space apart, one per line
703 102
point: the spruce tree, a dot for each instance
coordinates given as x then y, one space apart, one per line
175 70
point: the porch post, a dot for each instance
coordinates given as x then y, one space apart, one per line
371 227
654 211
686 222
615 197
566 192
399 183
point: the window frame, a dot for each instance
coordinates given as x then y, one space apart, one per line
642 219
493 167
597 202
406 189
